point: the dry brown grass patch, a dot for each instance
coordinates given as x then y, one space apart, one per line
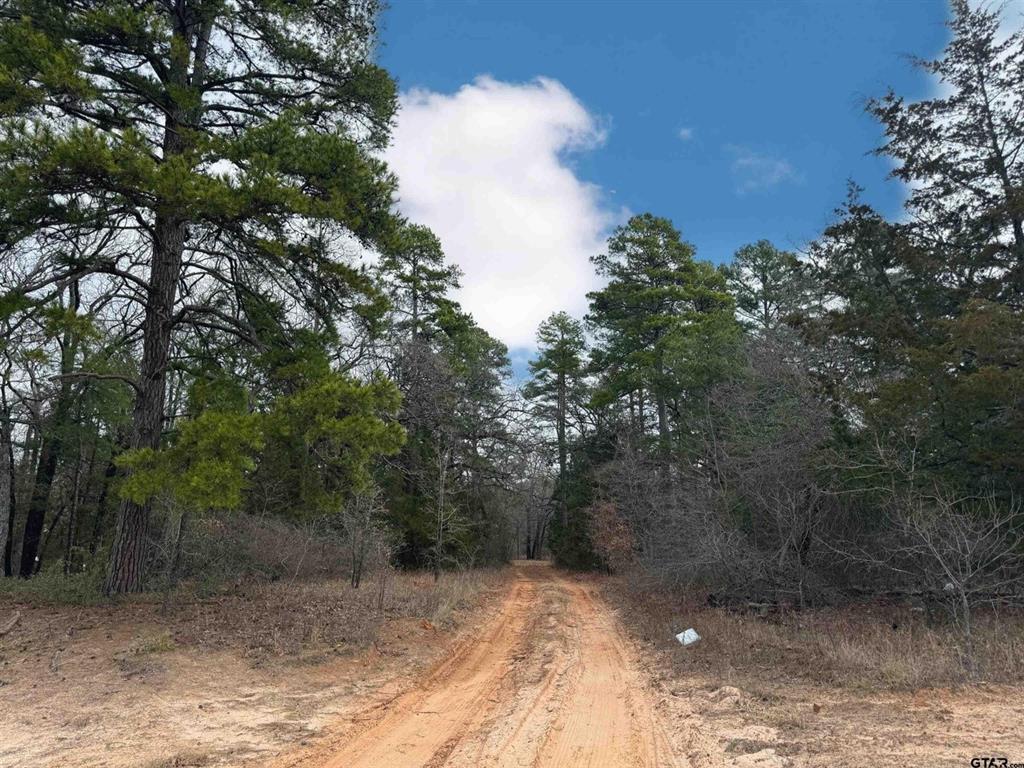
872 646
263 620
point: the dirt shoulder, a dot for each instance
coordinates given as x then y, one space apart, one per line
229 680
770 692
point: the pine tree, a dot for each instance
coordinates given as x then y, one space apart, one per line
231 141
418 280
557 383
962 153
769 285
655 291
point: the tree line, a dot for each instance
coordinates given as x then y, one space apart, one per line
799 427
210 304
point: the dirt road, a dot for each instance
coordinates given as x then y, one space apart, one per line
548 682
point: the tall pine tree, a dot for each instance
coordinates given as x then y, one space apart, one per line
228 143
557 383
655 291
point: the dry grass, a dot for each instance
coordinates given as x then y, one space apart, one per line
189 759
261 620
442 601
869 646
287 618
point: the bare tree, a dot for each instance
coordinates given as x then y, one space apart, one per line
361 521
679 535
527 498
968 550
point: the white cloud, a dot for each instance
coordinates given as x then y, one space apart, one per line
485 168
685 134
754 171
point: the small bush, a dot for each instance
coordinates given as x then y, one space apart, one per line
235 546
53 587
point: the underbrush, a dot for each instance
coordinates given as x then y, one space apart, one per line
263 587
219 552
53 587
287 617
866 645
220 548
263 619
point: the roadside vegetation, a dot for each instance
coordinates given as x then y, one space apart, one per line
830 436
859 647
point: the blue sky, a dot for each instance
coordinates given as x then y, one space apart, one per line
737 120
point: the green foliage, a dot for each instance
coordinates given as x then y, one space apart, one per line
13 302
204 468
66 321
216 390
53 587
559 366
456 412
959 152
700 355
918 336
324 439
770 286
262 162
655 292
926 363
570 541
418 281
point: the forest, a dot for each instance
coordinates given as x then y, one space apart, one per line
225 354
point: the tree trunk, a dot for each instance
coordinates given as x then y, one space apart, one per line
101 504
54 525
439 541
51 447
664 437
357 568
966 629
538 538
663 431
383 587
125 569
7 498
999 163
176 541
415 301
69 542
126 566
35 518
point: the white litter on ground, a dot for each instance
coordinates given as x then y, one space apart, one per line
688 636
